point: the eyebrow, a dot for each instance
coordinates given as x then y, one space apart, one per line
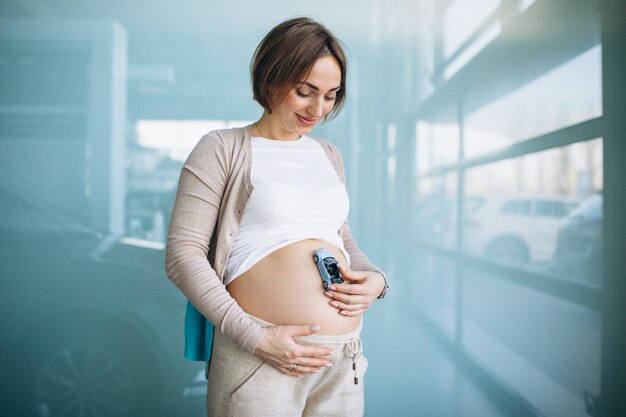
314 87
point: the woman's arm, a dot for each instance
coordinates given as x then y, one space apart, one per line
365 281
200 188
358 260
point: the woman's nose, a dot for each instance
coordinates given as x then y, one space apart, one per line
316 109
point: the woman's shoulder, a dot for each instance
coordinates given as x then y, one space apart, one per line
227 137
219 144
222 138
327 146
333 153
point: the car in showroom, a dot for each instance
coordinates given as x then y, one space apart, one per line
578 254
517 230
90 323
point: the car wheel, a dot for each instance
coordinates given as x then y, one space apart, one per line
87 374
315 258
508 250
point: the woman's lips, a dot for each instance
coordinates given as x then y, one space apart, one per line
305 120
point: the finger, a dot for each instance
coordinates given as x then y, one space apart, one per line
313 362
354 289
301 330
351 275
315 351
307 369
348 313
291 373
349 307
347 299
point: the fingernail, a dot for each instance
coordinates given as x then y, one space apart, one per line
332 287
315 327
344 313
334 303
329 294
329 364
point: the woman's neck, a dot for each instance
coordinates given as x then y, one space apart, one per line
269 128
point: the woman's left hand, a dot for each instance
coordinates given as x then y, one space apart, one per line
356 294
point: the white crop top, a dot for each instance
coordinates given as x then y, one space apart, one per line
297 195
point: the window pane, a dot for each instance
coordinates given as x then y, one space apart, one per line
462 18
435 212
564 96
544 348
437 144
472 49
539 211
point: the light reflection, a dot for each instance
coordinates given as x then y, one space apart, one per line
550 102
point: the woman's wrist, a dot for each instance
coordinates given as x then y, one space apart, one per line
385 288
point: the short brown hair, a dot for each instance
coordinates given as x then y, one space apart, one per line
286 55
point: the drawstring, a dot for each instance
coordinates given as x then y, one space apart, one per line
353 349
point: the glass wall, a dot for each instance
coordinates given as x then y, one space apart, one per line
507 209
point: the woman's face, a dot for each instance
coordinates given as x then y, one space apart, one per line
308 102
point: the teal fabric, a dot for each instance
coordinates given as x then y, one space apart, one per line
198 335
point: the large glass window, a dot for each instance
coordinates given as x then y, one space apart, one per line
562 97
437 144
436 211
462 20
547 349
511 271
523 211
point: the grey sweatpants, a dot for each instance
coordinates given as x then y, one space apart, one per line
243 385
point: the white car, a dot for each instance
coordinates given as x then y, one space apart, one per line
515 230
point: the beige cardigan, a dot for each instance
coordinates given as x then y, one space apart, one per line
213 189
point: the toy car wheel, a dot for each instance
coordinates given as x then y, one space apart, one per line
315 259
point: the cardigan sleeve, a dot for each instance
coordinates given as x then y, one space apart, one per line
358 260
194 217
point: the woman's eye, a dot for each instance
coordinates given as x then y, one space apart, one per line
301 94
329 98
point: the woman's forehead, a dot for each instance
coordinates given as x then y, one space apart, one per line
325 75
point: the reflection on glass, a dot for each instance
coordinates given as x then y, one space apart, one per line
525 4
473 49
156 158
579 245
514 229
544 348
516 209
177 138
437 144
435 212
434 293
462 18
555 100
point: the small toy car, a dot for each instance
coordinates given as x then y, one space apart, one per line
328 267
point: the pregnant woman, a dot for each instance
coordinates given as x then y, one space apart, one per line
253 206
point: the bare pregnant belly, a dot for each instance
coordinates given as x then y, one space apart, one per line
285 287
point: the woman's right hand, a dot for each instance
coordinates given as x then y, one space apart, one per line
279 348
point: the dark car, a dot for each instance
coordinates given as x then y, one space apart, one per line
90 323
578 253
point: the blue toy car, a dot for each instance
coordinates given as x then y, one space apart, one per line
328 267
